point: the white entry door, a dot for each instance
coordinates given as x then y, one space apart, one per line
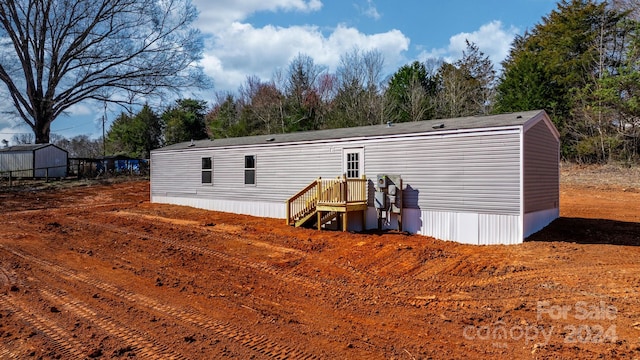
353 163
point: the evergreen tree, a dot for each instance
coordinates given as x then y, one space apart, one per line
223 121
185 121
136 135
557 67
409 94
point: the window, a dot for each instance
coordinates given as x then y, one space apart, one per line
207 170
353 165
353 168
250 170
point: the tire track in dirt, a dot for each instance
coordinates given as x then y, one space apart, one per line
6 354
439 275
436 276
290 276
46 210
258 343
5 278
522 275
370 271
148 347
399 288
189 224
59 339
260 266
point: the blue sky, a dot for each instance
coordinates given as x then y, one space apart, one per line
257 37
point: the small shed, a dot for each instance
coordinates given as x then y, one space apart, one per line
33 161
477 180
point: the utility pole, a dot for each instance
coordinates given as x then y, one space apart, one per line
104 140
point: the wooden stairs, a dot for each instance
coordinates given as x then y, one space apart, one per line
326 200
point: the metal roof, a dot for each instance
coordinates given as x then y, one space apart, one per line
426 126
24 147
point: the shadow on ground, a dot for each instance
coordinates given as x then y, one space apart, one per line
589 231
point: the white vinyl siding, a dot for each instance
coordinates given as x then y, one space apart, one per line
541 170
471 173
475 172
280 172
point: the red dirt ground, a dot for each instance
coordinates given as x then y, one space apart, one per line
99 272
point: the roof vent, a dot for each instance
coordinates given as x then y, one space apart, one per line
5 143
519 117
270 139
389 124
438 126
192 143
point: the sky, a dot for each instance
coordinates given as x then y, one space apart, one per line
257 37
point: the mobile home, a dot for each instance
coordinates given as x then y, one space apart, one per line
477 180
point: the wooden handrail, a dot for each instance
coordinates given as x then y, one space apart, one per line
332 192
303 201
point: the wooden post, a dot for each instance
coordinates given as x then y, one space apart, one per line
46 174
288 211
346 190
318 193
364 195
10 179
345 220
399 193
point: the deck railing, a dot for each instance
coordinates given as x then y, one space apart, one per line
302 203
332 192
342 191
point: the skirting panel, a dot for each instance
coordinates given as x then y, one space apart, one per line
536 221
471 228
467 228
254 208
499 229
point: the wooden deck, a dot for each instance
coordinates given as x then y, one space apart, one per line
328 199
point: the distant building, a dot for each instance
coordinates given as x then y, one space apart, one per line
33 161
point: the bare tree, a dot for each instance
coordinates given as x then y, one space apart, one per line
262 104
358 96
302 92
57 53
22 138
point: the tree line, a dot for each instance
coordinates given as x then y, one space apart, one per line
580 63
307 97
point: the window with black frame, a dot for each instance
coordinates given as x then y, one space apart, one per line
207 170
250 170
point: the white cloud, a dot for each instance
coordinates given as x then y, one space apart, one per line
371 10
82 109
493 39
242 49
216 15
11 128
235 49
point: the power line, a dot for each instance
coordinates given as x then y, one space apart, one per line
14 133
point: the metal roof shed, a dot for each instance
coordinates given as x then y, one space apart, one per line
34 160
478 180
